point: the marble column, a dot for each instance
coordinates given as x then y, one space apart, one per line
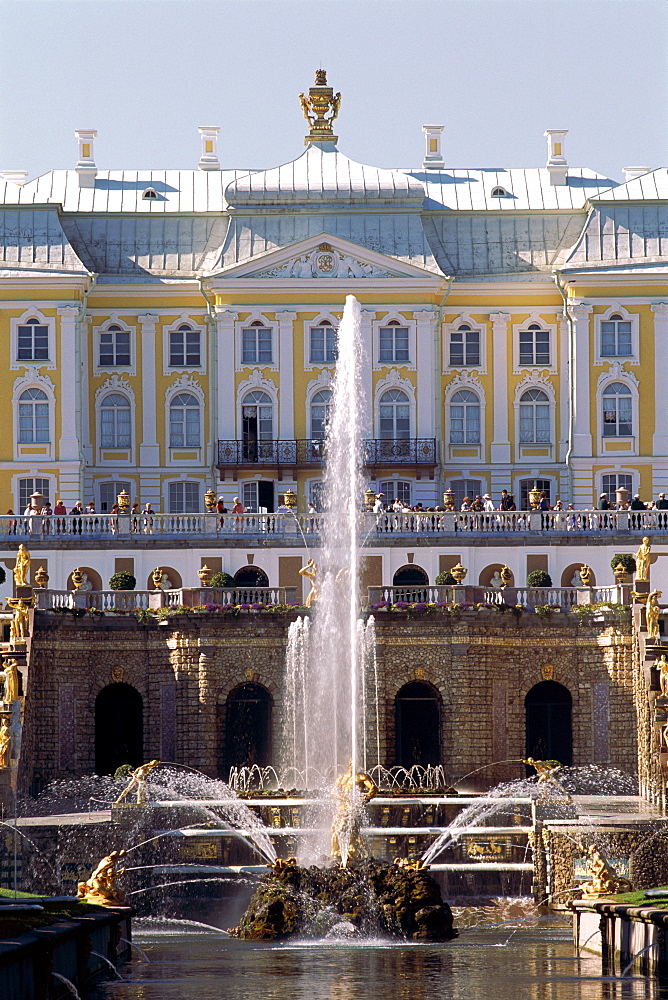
500 447
286 407
582 437
225 418
426 373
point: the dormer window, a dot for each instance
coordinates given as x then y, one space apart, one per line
499 192
150 194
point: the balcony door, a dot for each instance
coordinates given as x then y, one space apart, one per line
394 424
257 415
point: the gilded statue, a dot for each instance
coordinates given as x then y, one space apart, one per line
320 108
22 567
662 666
138 781
604 879
653 612
348 821
310 571
545 770
10 677
5 742
642 557
585 575
411 864
100 887
19 628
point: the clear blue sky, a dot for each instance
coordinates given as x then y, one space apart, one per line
496 73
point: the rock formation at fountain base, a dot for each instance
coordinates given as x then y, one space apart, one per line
372 898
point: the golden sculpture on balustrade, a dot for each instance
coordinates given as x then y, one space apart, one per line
459 572
346 829
156 577
10 679
653 613
101 887
506 575
138 781
41 577
19 629
585 575
77 578
310 571
320 109
22 567
604 879
642 558
205 575
5 741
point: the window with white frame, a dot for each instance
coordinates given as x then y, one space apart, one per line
393 343
183 498
321 403
613 481
316 494
470 488
616 340
534 417
464 418
323 346
114 347
394 416
249 497
29 486
465 347
617 410
184 347
109 494
527 485
115 421
534 346
396 489
32 342
33 417
256 344
184 421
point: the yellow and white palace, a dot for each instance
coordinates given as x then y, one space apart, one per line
167 332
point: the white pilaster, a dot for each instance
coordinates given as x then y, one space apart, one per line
366 333
500 447
286 407
149 449
426 373
68 444
84 429
660 439
562 400
225 417
582 439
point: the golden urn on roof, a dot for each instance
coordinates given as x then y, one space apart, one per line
320 109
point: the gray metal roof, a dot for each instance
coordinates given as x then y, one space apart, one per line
32 239
623 235
652 186
528 189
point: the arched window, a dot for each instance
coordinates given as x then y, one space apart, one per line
418 725
114 347
33 417
499 192
115 423
534 346
464 418
251 576
616 337
119 728
184 421
534 417
410 576
465 347
257 415
184 347
395 418
617 410
549 736
320 407
247 734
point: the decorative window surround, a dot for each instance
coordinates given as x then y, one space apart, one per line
465 319
257 381
115 383
475 452
114 320
616 310
186 383
387 319
45 449
198 326
240 325
32 312
527 450
534 319
394 381
323 317
617 373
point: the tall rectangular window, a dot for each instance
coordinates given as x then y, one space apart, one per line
323 345
29 486
33 341
184 498
616 481
616 338
256 345
109 494
184 347
114 348
393 345
470 488
534 346
465 348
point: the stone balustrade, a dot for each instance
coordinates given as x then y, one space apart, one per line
528 597
189 597
504 524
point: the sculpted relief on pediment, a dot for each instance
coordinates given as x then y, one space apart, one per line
325 262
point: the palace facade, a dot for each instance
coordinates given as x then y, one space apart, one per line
168 331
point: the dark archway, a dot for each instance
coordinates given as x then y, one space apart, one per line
410 576
418 725
251 576
549 730
247 732
119 728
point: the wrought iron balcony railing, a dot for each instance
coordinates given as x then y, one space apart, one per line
376 452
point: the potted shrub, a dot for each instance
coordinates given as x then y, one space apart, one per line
623 565
222 580
122 581
445 579
539 578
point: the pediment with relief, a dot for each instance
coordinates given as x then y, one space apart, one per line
325 262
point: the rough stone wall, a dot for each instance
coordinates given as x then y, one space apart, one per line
482 666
